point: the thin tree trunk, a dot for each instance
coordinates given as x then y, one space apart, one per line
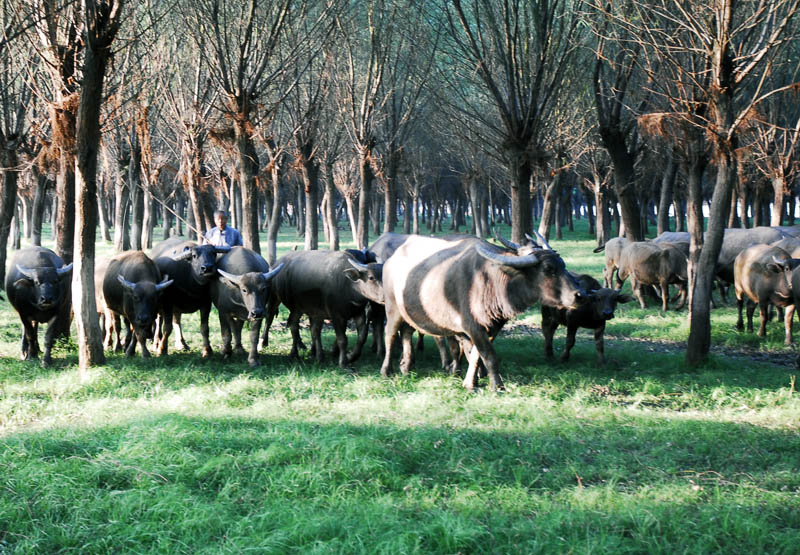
778 188
248 169
137 193
8 199
311 185
364 198
333 221
521 222
275 215
665 198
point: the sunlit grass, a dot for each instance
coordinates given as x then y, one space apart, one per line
187 455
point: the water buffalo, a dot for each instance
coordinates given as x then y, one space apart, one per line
327 285
468 288
613 250
38 286
192 268
790 245
649 263
132 285
735 241
241 294
593 314
762 273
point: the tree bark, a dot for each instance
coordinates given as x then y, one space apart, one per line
333 223
136 192
521 171
39 200
248 169
779 189
8 197
665 198
311 185
365 172
275 214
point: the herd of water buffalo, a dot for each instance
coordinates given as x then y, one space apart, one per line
459 289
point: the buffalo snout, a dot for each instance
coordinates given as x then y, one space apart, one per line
256 314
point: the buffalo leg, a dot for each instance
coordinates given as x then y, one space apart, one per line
316 339
764 311
117 323
489 357
420 342
49 339
177 327
362 325
549 327
236 328
683 293
377 318
130 338
204 314
340 329
163 331
30 347
225 330
255 332
751 308
739 307
444 355
664 295
393 323
570 343
407 361
788 318
294 327
471 379
636 285
599 343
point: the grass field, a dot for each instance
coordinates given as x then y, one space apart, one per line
185 455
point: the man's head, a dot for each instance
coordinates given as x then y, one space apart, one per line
221 219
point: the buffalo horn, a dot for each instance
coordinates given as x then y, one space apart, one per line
506 243
532 240
166 282
782 263
506 260
67 268
543 241
230 277
125 283
223 248
25 272
185 255
271 274
357 265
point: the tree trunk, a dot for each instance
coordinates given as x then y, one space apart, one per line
521 171
136 191
248 169
551 194
39 200
90 342
407 208
311 184
665 198
333 222
8 198
64 228
365 173
275 214
390 192
779 189
101 215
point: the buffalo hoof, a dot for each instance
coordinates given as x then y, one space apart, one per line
252 362
226 354
206 352
145 353
239 350
185 346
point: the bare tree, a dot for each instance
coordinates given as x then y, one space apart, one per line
519 52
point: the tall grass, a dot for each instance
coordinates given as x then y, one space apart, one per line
188 455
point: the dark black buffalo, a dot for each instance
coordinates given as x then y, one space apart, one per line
132 285
763 273
468 288
593 314
38 286
241 294
327 285
192 268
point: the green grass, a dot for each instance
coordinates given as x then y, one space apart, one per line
186 455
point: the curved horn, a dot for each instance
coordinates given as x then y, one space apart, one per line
782 263
25 272
224 248
230 277
532 240
543 241
166 282
125 283
505 242
185 255
271 274
67 268
357 265
505 260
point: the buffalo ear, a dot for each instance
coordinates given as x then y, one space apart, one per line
23 282
773 267
623 298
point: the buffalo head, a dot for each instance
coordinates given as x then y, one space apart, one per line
253 288
47 284
604 302
143 297
203 259
367 279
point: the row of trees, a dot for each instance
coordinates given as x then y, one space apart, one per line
363 110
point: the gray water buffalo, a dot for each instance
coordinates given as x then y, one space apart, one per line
192 268
762 273
468 288
658 264
613 251
241 294
593 314
734 242
326 285
38 286
132 286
